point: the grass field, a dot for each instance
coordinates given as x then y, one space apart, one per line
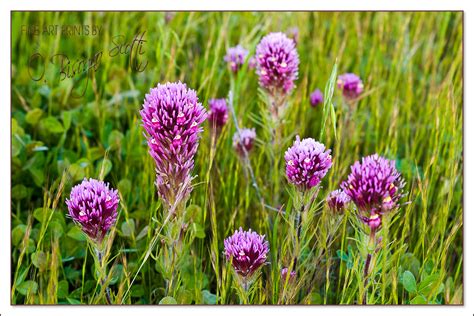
411 111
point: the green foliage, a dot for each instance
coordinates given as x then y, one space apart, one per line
168 300
28 288
409 282
52 125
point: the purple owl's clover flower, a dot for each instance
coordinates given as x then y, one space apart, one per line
284 275
294 34
316 98
218 113
235 57
244 141
337 201
252 62
351 85
169 16
375 186
277 63
307 162
93 205
172 118
247 252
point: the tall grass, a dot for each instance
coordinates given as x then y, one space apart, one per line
411 111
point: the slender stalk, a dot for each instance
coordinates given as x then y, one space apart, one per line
245 285
176 249
349 120
370 248
246 159
102 274
244 288
147 254
366 276
277 102
298 226
298 234
323 252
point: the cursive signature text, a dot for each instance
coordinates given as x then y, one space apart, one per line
81 70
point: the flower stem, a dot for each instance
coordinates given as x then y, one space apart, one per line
370 248
247 164
176 249
298 233
102 273
275 128
366 276
244 299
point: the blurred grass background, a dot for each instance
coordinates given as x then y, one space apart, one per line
411 111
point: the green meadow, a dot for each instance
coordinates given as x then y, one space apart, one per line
68 124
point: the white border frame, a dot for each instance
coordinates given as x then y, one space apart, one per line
247 5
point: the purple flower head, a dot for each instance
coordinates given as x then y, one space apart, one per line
235 57
307 162
337 201
243 140
247 251
252 62
169 15
374 186
218 112
351 85
294 34
277 63
316 98
172 118
374 221
93 206
284 275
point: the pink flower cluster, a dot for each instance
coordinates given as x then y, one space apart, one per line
218 113
307 162
316 98
244 141
235 57
351 85
93 205
375 188
277 63
247 251
337 201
